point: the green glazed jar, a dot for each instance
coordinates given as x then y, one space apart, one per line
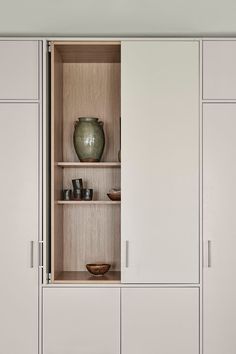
89 139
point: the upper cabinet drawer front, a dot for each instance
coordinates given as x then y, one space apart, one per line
19 70
219 70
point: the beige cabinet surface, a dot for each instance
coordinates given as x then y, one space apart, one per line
160 161
219 69
19 73
81 320
19 228
219 232
160 320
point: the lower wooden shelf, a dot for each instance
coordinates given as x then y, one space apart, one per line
89 202
86 277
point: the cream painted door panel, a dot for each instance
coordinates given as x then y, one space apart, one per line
160 321
19 228
219 221
19 70
160 161
81 320
219 69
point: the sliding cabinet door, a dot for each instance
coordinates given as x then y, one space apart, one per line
219 227
160 161
19 228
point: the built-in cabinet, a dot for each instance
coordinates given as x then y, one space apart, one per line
219 196
20 196
169 105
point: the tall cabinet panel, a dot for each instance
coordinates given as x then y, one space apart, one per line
160 161
19 228
219 198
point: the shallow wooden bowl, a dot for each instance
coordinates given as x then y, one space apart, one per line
114 196
98 268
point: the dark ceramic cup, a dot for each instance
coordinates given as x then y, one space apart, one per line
78 194
77 183
87 194
67 194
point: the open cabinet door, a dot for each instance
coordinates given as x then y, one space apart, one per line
19 228
160 161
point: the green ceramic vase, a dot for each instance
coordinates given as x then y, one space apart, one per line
89 139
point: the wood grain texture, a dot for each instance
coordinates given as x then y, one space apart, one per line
101 180
56 154
92 90
90 52
91 235
88 164
89 202
84 232
86 277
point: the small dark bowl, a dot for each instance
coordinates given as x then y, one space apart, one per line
98 268
114 196
87 194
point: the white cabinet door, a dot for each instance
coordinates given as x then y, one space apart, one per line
160 320
219 69
19 228
160 161
81 320
219 221
19 70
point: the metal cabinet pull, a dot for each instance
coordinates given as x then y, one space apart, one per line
209 254
31 254
40 254
126 254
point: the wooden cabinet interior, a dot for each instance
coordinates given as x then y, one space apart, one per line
85 81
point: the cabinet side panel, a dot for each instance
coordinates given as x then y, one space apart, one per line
56 155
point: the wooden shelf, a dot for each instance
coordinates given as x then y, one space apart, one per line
86 277
89 202
87 164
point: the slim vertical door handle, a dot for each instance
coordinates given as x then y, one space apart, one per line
126 254
31 254
209 254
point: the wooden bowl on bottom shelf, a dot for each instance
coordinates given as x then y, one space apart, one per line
98 268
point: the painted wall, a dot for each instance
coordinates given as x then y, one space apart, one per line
120 17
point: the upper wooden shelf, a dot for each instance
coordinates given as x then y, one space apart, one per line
88 164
